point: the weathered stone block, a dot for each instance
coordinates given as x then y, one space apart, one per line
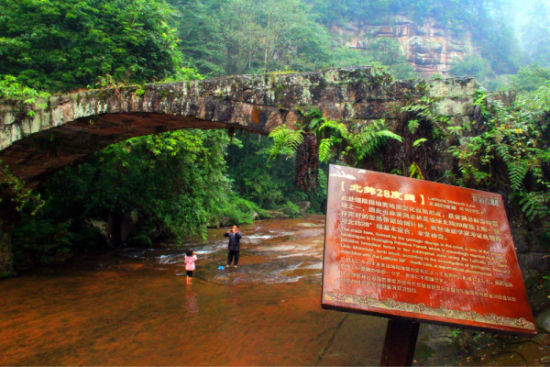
252 102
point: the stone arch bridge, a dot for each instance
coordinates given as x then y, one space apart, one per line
73 125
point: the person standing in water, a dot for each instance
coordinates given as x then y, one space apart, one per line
233 246
190 259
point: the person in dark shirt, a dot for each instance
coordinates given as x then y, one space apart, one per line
233 246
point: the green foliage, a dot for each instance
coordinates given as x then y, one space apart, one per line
334 138
369 139
14 193
480 100
11 88
239 210
517 170
42 240
490 30
449 12
325 150
383 52
184 73
291 209
473 66
421 114
62 45
417 142
413 125
515 138
530 78
170 186
245 36
285 141
268 182
415 171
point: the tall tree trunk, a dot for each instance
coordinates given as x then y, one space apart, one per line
307 163
265 59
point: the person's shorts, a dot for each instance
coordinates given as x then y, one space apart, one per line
189 273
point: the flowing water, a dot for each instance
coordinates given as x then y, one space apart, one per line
134 307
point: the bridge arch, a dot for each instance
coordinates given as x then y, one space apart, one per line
74 125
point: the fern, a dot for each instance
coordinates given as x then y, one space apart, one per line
371 137
325 150
503 150
454 130
285 141
413 125
516 173
415 171
385 133
535 204
334 126
417 142
331 135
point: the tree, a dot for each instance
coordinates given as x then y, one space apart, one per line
246 36
200 32
531 77
473 66
66 44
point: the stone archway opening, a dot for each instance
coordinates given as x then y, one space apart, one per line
72 126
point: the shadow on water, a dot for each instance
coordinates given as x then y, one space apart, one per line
134 308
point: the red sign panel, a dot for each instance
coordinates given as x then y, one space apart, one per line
418 249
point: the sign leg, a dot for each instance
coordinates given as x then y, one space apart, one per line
400 342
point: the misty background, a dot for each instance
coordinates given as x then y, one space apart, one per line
530 21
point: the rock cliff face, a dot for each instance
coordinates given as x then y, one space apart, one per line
429 48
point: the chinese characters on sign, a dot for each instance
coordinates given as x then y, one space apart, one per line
419 249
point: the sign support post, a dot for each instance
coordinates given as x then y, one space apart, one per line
400 342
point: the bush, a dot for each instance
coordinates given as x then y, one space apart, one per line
473 66
41 240
291 209
240 210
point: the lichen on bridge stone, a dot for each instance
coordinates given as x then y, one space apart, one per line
76 124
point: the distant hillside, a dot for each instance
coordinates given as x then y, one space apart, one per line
447 37
429 48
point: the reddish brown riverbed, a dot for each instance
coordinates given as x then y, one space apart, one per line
134 308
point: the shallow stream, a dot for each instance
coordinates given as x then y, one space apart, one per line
133 307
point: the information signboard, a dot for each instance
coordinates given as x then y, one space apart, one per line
423 250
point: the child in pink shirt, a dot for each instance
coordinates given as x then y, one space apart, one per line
190 259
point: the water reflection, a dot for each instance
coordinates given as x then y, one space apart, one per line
191 300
